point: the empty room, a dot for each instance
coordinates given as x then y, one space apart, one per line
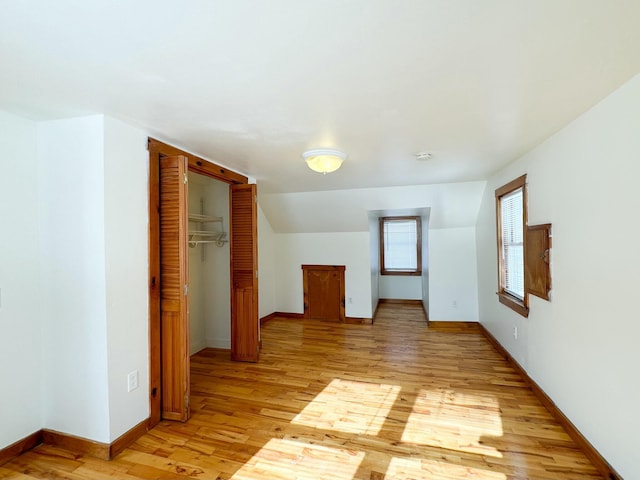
319 239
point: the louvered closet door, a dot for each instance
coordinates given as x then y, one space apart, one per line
174 300
243 233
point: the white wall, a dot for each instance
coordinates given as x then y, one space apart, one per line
451 205
126 220
209 282
197 328
73 276
72 273
582 347
453 287
350 249
216 279
20 320
267 272
374 260
425 262
403 287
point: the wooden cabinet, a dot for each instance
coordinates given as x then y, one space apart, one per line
324 292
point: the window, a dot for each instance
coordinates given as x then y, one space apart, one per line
400 246
511 220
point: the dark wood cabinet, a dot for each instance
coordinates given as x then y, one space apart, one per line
324 292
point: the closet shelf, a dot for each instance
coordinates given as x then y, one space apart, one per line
198 237
197 217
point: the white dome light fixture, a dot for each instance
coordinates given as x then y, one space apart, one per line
324 160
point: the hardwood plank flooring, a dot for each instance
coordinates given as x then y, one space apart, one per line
394 400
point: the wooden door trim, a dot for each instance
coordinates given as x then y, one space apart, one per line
324 267
199 165
305 287
157 149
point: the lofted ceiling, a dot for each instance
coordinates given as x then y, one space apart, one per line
252 84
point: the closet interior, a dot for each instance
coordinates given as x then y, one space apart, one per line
209 282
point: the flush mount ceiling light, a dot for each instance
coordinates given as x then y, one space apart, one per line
324 160
423 156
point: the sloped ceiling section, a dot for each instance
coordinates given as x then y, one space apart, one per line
253 84
451 205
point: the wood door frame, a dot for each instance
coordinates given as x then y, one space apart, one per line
305 286
199 165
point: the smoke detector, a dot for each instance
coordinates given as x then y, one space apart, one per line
423 156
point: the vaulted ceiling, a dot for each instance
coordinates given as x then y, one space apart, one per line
251 84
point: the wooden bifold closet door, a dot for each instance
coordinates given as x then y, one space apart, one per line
243 234
174 268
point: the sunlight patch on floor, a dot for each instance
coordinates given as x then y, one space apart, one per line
456 421
350 406
412 468
290 459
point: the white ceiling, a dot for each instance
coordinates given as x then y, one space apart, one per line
251 84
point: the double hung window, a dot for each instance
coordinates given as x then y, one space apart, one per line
400 246
511 220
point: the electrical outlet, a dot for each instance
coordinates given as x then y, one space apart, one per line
515 332
132 381
454 303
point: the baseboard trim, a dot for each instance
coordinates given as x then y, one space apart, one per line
80 445
127 438
266 318
18 448
300 316
75 444
589 450
358 321
400 301
295 316
454 326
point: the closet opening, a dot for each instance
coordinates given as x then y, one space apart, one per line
202 217
209 260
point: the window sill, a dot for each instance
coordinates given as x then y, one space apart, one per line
391 272
513 303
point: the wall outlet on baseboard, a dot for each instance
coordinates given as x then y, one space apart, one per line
132 381
515 332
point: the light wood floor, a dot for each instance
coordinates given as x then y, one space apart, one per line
392 400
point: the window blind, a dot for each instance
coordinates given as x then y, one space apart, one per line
400 245
513 243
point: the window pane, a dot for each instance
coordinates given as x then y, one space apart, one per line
400 245
512 243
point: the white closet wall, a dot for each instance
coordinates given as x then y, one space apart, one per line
197 331
209 283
